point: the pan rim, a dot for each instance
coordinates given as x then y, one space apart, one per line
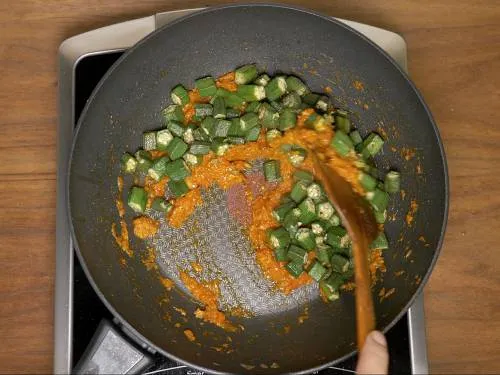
129 51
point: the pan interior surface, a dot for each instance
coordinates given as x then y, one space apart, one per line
285 334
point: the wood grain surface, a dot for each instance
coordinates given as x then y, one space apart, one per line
454 58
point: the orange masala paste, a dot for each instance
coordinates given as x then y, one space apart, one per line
207 294
145 227
122 238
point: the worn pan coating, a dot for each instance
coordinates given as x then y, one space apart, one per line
323 52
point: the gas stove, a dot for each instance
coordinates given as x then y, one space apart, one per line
83 60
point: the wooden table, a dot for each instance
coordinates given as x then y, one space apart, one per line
454 58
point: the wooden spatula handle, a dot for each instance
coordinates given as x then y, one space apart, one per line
365 314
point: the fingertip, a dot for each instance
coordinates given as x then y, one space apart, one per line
374 357
378 337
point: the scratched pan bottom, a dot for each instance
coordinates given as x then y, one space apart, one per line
213 238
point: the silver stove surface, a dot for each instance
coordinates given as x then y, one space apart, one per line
116 38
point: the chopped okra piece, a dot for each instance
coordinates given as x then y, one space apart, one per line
287 119
219 147
245 74
176 128
202 110
297 254
159 168
325 210
272 134
235 129
128 163
294 268
176 148
268 116
249 121
292 101
173 113
253 134
367 181
297 156
163 138
379 199
232 113
329 118
252 107
206 86
188 135
307 211
299 191
281 254
322 104
276 105
296 85
310 99
291 221
222 92
343 123
192 159
149 141
178 188
315 192
276 88
179 95
305 238
234 101
199 148
330 287
355 137
280 212
161 205
137 199
262 80
380 217
251 93
272 170
235 140
177 170
317 228
279 238
200 134
337 237
219 107
334 220
221 128
208 125
323 255
317 122
392 182
144 160
320 241
380 242
301 175
372 145
342 143
317 271
339 263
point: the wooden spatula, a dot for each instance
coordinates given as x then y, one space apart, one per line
360 223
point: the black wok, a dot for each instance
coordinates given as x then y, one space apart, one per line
323 52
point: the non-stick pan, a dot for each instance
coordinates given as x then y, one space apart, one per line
297 333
